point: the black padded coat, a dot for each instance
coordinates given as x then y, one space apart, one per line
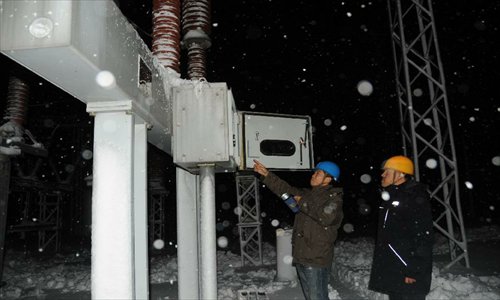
404 241
316 224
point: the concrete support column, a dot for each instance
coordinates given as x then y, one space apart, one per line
188 193
140 208
112 207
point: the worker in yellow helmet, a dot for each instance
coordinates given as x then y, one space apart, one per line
402 260
396 170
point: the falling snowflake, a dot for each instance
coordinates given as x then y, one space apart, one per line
222 242
365 88
87 154
106 79
348 227
469 185
275 223
431 163
417 92
364 209
288 259
158 244
237 211
365 178
226 205
385 196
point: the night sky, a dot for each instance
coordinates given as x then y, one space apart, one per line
306 57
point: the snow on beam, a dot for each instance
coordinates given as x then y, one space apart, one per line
89 49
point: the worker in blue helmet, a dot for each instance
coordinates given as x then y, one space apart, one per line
329 168
317 220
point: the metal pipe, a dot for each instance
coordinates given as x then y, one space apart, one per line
207 233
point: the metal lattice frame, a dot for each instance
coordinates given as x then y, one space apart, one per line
49 216
41 213
249 225
157 200
425 117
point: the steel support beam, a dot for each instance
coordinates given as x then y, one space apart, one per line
425 115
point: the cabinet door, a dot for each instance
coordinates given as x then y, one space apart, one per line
278 141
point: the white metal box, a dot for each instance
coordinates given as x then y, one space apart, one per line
276 140
203 130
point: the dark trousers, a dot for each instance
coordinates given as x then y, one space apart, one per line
393 296
314 282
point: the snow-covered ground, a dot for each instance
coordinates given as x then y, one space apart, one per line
353 263
28 276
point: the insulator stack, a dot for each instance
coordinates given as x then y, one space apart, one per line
166 33
197 61
17 97
196 16
196 27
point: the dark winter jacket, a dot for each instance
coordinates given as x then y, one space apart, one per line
404 241
315 226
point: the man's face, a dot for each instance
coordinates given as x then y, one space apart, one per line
387 178
318 178
390 176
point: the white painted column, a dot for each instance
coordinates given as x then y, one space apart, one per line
187 234
141 270
112 211
208 248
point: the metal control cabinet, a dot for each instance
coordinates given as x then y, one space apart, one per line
278 141
207 129
204 127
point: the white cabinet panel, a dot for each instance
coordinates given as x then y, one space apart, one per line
278 141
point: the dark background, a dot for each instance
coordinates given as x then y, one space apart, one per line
306 57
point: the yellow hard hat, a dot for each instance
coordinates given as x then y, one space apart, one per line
399 163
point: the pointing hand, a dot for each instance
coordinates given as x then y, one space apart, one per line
260 168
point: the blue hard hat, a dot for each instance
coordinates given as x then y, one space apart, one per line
330 168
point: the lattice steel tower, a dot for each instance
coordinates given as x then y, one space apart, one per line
249 225
425 116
